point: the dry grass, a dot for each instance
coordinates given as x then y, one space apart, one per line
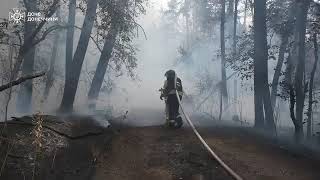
9 148
38 136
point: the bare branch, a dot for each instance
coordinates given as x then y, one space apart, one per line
53 8
92 38
47 32
26 4
21 80
144 33
26 45
213 90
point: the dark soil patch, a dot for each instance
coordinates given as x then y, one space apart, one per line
70 147
157 153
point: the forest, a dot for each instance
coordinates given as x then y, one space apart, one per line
249 68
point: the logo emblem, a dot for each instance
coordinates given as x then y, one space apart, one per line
16 16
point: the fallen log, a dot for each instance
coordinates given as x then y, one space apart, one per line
88 134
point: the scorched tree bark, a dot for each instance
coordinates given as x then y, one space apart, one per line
72 80
263 108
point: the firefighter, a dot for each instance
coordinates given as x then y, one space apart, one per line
168 92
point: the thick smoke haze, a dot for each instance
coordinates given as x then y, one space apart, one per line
158 52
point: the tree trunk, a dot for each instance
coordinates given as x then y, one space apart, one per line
285 34
277 72
29 43
263 108
299 58
102 64
230 12
258 56
252 8
234 49
298 131
223 87
235 96
292 100
73 76
187 19
220 108
245 16
9 86
313 72
223 52
50 74
70 37
50 78
268 110
258 106
235 21
24 99
229 23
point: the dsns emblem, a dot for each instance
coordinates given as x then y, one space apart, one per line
16 16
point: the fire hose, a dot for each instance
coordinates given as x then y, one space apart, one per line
214 155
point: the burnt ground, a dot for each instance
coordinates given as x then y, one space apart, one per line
88 152
157 153
70 146
256 157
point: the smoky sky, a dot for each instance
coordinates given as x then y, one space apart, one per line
5 6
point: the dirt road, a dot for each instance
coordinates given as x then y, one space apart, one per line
256 158
158 153
149 153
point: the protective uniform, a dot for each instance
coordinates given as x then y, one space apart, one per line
173 83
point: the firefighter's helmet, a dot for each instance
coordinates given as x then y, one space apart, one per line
170 73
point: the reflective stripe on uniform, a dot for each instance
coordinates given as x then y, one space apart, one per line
174 92
175 81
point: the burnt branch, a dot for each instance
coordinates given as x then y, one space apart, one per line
20 80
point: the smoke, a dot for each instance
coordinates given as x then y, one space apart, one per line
157 54
6 5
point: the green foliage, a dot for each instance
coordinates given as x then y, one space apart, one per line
278 16
123 14
242 62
